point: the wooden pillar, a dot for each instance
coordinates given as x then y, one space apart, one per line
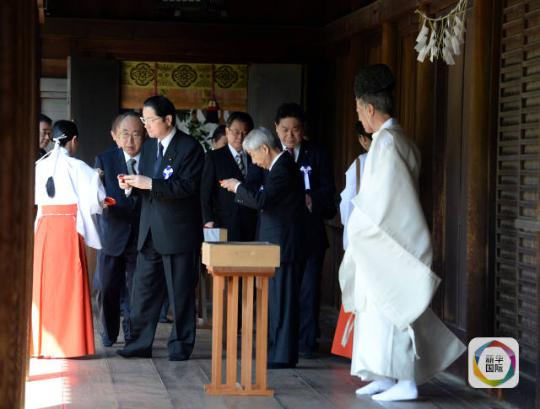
477 166
18 115
389 45
424 131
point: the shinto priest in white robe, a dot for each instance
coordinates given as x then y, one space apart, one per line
385 275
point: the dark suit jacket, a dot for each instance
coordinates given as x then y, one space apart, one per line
120 221
172 209
322 193
218 204
280 202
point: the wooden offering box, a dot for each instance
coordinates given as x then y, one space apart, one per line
253 263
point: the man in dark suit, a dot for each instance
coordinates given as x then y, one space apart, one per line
280 204
170 233
45 127
230 161
319 192
119 229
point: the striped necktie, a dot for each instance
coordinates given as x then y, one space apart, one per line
131 166
240 163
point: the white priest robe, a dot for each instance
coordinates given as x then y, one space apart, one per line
75 182
353 176
385 275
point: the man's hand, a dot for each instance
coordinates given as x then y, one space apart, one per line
230 184
365 142
309 202
121 182
138 181
209 225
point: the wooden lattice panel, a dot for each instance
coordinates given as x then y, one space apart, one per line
516 295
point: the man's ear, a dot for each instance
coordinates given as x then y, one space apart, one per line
370 109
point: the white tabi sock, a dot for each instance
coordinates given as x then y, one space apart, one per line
377 386
403 390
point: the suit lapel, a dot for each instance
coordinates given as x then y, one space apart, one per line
120 164
148 158
229 158
170 153
303 156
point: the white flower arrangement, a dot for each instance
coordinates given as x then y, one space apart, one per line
446 34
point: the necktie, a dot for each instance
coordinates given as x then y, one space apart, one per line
240 163
131 166
158 160
291 152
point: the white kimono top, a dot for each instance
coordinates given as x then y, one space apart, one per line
352 183
75 183
388 258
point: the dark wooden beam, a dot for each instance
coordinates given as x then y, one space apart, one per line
18 108
224 41
373 16
54 68
477 167
178 41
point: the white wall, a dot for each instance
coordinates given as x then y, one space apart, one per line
54 100
270 85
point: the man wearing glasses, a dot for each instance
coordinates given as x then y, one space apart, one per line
170 234
218 206
119 227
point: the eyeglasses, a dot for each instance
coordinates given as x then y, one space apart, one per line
149 120
237 132
126 135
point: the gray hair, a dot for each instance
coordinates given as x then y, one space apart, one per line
382 101
259 137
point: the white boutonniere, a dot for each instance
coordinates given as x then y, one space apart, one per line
306 170
167 172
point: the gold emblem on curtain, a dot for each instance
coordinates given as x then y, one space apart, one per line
188 86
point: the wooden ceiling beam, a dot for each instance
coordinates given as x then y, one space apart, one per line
374 15
228 42
61 37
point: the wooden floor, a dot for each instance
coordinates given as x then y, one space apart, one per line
109 381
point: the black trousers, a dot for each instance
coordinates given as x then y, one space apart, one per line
283 314
112 295
310 300
156 273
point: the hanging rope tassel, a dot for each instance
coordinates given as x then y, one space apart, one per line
446 34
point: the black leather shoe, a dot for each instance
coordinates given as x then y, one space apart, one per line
107 343
134 354
178 357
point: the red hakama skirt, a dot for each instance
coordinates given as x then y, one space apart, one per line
61 307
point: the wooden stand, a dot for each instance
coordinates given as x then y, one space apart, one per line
253 277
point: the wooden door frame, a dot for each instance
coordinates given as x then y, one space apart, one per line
19 67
